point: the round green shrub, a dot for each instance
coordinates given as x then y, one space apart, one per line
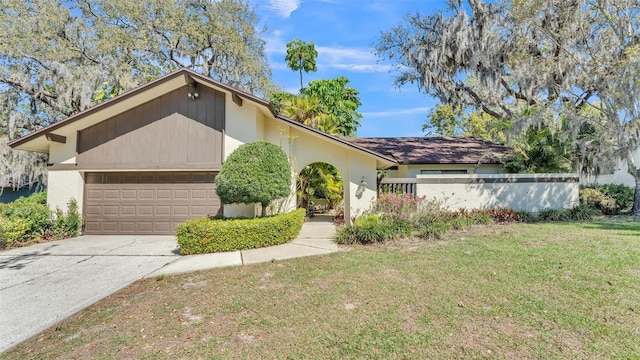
257 172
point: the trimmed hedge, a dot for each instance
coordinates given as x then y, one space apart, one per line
205 235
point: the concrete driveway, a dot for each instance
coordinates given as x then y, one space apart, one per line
45 283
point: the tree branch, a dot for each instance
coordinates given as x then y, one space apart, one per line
44 96
516 94
480 103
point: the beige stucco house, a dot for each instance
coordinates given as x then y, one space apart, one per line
145 161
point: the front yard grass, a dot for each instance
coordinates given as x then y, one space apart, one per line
520 291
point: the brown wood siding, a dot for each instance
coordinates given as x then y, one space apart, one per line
147 202
169 132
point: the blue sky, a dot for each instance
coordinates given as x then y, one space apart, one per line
343 32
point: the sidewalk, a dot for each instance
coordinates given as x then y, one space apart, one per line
315 238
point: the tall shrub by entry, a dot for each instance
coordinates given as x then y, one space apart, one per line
257 172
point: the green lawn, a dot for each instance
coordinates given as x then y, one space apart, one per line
563 290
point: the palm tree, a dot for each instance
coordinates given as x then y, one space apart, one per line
320 180
302 109
301 56
307 110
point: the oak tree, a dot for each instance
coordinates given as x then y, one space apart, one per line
534 63
60 57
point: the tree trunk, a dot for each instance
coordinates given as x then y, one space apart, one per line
635 210
264 209
301 79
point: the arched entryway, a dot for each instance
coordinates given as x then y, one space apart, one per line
320 190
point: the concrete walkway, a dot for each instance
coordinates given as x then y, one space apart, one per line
43 284
315 238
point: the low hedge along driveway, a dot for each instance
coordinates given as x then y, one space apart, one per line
204 235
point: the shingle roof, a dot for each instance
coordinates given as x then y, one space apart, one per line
436 150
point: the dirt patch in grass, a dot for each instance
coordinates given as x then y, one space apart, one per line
514 291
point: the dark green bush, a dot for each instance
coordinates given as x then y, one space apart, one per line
622 196
69 224
204 235
581 212
25 218
29 218
434 229
373 229
257 172
610 199
553 215
524 216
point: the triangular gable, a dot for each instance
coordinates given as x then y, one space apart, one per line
40 140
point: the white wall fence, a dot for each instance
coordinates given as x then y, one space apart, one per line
521 192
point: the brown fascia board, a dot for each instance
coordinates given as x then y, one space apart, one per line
204 79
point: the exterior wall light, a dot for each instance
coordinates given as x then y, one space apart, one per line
193 93
361 188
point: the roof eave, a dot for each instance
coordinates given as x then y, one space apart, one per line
22 143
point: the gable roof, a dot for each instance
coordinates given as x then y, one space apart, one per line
37 140
436 150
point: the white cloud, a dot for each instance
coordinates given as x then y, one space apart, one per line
341 54
352 59
284 8
275 43
374 114
363 67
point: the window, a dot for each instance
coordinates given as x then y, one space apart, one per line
442 172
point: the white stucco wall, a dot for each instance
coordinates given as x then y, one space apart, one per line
63 153
361 168
279 134
620 174
531 196
241 125
63 186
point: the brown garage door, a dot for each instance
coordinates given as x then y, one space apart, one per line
147 202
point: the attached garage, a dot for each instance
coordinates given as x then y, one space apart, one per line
146 202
